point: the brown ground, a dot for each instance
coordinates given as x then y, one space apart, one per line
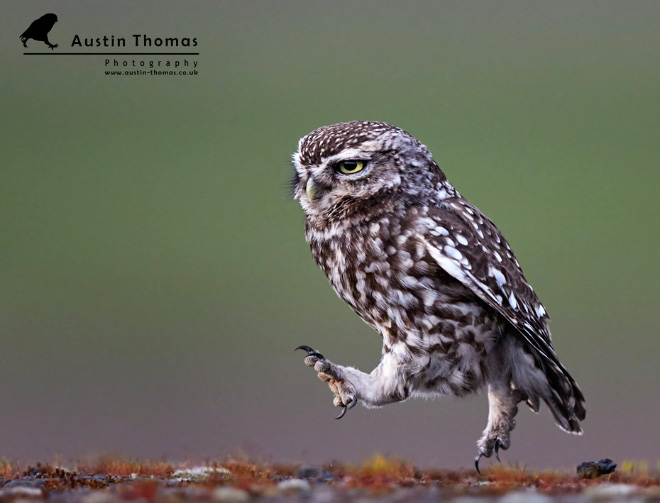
109 480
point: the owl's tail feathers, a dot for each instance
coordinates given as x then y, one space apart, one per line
564 398
549 381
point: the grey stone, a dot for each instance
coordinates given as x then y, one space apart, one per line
313 472
25 482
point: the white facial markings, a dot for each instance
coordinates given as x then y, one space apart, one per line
363 153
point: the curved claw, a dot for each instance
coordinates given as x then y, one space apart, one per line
497 449
310 352
476 463
347 407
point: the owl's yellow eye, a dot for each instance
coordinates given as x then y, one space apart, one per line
350 167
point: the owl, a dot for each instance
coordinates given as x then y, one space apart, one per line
432 275
39 30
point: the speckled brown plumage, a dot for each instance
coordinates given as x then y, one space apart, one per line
430 273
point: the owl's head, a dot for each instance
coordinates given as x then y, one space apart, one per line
342 168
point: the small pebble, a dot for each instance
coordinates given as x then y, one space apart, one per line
593 469
20 491
199 473
611 490
99 497
230 494
294 484
525 497
467 499
312 472
25 482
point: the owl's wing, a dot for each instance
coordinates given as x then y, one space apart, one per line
470 248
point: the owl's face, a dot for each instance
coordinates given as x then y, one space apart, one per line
352 163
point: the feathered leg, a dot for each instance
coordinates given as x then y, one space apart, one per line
502 409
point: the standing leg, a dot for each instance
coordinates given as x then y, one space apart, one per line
502 408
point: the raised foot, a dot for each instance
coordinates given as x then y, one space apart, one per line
343 390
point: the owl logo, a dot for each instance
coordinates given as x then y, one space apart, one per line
39 30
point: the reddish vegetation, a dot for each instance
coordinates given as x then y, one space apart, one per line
7 470
124 467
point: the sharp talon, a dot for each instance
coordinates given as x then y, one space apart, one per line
497 449
310 352
476 463
347 407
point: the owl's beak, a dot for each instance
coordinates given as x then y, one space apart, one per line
311 188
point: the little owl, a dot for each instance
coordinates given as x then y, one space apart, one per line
432 275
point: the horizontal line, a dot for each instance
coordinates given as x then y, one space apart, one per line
111 54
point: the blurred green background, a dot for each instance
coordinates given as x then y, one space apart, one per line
154 276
